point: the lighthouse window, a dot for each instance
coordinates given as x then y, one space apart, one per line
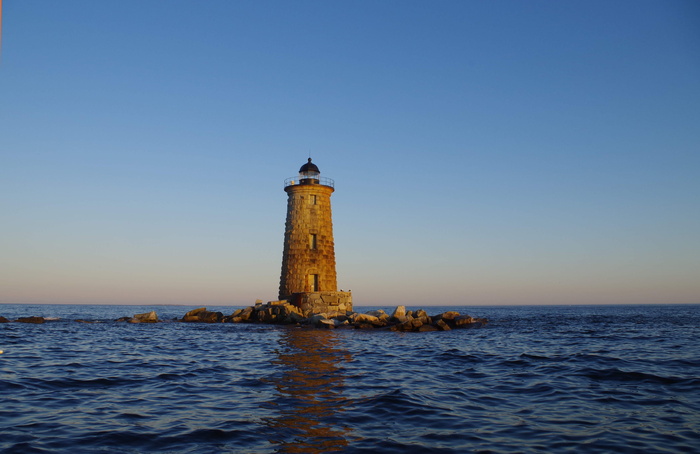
312 241
313 199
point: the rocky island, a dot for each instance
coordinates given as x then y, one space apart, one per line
284 313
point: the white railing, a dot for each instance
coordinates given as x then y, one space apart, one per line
299 179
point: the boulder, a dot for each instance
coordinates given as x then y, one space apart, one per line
3 320
292 309
294 317
193 315
399 312
381 322
377 313
405 326
263 314
420 313
31 320
417 323
210 317
442 325
202 315
325 323
316 318
450 315
246 314
463 320
148 317
365 318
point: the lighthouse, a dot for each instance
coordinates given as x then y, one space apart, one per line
308 278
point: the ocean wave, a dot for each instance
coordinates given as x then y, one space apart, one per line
615 374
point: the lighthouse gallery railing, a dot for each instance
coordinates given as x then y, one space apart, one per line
293 181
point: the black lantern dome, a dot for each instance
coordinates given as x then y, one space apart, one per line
308 174
309 169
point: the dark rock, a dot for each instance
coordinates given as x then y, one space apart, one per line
3 320
364 318
294 317
420 313
341 321
364 326
405 326
193 315
264 315
235 317
325 323
123 319
450 315
31 320
442 325
316 318
463 320
378 313
210 317
202 315
345 325
246 314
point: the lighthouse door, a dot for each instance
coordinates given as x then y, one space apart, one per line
312 282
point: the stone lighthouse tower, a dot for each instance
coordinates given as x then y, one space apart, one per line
308 263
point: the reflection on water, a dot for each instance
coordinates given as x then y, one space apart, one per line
309 400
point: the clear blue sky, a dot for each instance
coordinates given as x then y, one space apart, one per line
484 152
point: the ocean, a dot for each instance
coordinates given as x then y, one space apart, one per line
536 379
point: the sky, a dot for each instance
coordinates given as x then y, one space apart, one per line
483 152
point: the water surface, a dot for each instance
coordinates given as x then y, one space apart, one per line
536 379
